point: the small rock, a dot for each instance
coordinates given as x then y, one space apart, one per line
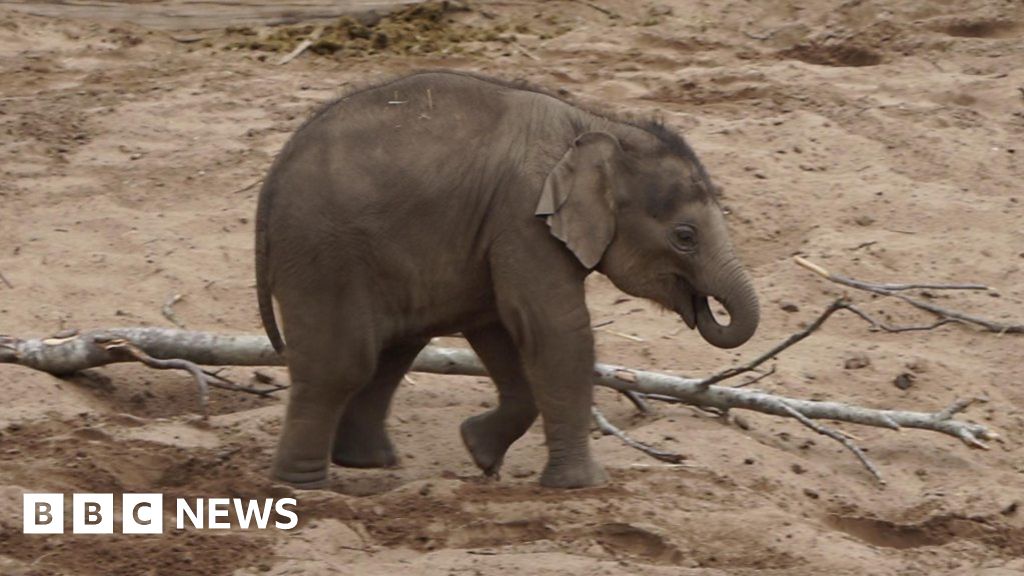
749 461
857 361
789 307
918 366
904 380
797 469
812 494
864 220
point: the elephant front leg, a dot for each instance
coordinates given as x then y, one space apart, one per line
361 439
488 436
563 389
557 350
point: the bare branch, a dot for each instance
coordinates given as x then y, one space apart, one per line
793 339
202 382
600 9
879 325
168 310
301 47
607 427
873 286
893 291
756 379
64 356
838 437
218 381
638 401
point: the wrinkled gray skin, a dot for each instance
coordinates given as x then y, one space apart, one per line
443 203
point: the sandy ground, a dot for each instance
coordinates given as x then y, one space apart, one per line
881 138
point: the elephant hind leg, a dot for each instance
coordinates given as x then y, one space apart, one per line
331 355
361 439
488 436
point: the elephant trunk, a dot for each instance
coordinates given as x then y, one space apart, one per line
733 288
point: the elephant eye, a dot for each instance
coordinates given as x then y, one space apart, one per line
684 238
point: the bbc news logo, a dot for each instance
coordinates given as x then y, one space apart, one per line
144 513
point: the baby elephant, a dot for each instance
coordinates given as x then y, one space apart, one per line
446 202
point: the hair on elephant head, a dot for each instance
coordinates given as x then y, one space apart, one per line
645 213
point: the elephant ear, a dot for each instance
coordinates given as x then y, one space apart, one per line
578 199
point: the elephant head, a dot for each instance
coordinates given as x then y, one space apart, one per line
639 208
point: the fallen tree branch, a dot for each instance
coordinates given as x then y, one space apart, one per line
608 428
67 355
894 290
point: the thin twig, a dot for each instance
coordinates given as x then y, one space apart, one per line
623 335
600 9
202 381
249 186
954 408
879 325
168 310
607 427
967 436
793 339
525 52
302 46
218 381
756 379
5 281
638 401
873 286
838 437
889 290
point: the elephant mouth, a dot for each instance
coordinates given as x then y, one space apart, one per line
694 305
688 304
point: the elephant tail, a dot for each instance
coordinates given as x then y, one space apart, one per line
264 296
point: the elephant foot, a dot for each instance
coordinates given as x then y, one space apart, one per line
304 475
485 446
585 475
364 451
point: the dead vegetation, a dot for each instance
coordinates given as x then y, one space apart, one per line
418 29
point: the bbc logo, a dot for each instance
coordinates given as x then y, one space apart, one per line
144 513
93 513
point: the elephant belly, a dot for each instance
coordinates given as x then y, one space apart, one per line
429 307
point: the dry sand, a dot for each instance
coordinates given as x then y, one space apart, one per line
881 138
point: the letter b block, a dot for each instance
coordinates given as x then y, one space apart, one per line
92 513
43 513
